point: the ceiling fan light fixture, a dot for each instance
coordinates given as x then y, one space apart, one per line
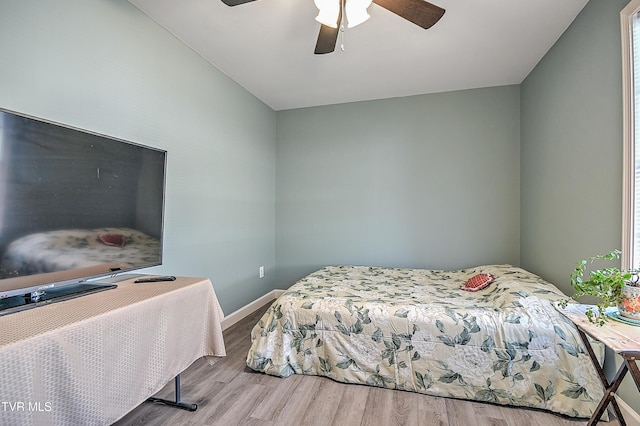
356 11
328 12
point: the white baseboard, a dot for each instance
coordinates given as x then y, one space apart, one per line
246 310
631 417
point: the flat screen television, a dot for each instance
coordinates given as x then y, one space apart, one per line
74 205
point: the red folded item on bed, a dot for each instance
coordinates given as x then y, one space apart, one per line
478 282
116 240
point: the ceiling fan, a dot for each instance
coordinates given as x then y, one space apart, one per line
420 12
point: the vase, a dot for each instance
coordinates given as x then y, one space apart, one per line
630 306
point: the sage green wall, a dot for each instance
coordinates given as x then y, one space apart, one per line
572 146
572 152
424 181
102 65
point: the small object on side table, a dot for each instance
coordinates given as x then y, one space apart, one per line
623 339
155 279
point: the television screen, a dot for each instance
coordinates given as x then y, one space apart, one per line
74 205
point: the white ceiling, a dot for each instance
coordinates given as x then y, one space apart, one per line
267 47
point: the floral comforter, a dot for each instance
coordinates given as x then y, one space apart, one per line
415 330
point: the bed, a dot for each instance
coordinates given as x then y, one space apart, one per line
64 249
416 330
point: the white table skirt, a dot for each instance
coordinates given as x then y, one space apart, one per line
91 360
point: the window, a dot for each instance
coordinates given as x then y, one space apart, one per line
630 26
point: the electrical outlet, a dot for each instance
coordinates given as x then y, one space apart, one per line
261 272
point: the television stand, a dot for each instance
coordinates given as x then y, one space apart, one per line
93 359
178 402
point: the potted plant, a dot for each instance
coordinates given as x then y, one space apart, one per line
611 286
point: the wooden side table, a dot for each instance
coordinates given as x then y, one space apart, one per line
623 339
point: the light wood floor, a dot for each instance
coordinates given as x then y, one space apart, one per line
228 393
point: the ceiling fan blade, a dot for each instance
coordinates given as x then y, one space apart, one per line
326 40
420 12
235 2
328 36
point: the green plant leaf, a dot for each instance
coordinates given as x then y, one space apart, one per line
486 395
401 313
464 337
325 365
574 391
447 340
344 330
540 392
451 314
560 332
345 363
513 318
488 345
420 380
449 377
571 350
